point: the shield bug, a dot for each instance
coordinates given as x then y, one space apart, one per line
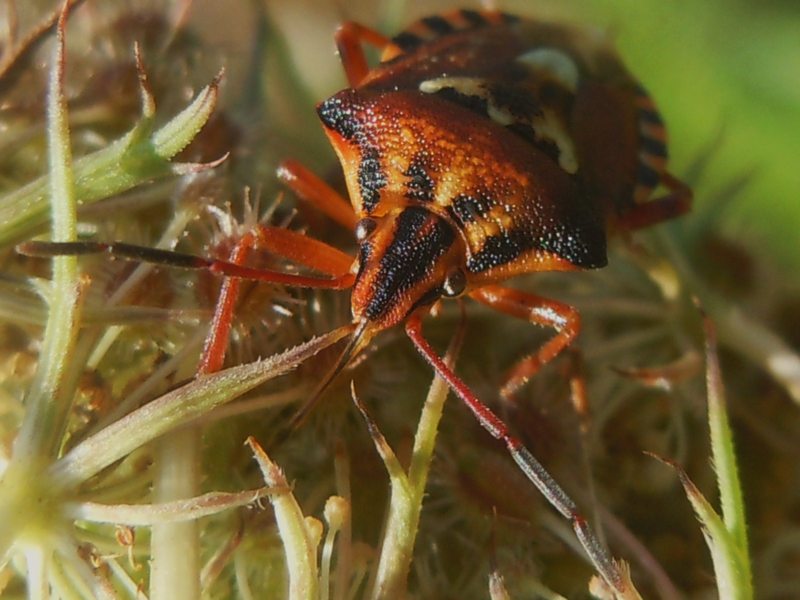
482 146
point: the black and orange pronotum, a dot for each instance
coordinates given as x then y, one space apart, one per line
482 146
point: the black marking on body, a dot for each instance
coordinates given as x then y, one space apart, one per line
420 186
651 117
371 178
522 105
499 250
336 115
467 208
653 146
429 297
520 102
407 41
584 248
527 132
647 176
420 239
553 94
473 17
439 25
364 253
473 103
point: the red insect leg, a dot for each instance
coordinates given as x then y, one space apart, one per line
674 204
291 245
541 311
535 472
349 39
216 342
310 188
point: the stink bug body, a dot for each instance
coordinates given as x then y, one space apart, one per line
481 147
510 146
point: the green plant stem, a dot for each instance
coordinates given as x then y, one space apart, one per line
344 550
405 503
36 560
49 398
174 547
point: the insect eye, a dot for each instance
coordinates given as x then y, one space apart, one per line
364 228
454 283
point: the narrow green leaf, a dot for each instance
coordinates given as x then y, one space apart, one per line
180 131
177 408
724 457
298 541
137 157
163 512
731 565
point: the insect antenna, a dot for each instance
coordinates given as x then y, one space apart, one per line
353 345
180 260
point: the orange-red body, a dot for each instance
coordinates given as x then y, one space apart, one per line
484 146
